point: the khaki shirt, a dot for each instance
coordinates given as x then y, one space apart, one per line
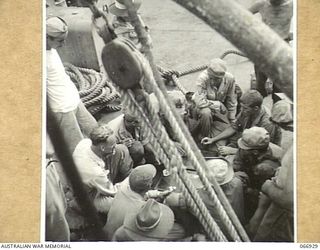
225 93
123 134
262 120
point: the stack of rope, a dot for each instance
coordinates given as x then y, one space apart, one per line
96 91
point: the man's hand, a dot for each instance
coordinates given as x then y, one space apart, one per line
225 150
207 140
167 192
264 200
215 105
128 142
159 194
266 185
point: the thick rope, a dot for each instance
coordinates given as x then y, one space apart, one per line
177 123
176 81
185 143
187 184
95 79
108 107
168 73
148 131
192 70
113 107
193 199
97 99
83 84
231 51
95 91
143 39
174 75
104 97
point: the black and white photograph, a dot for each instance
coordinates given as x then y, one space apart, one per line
169 120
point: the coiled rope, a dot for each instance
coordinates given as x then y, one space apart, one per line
96 92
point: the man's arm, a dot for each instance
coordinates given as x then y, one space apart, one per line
228 132
281 192
176 200
200 98
200 95
270 127
103 185
282 197
125 162
231 100
237 163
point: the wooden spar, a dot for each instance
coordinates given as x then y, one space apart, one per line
259 42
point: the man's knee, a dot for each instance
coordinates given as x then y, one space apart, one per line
205 121
121 149
205 112
136 152
122 163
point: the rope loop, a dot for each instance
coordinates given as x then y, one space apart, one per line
95 91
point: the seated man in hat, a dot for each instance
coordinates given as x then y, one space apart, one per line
152 221
273 220
231 185
70 114
128 132
252 114
216 100
131 195
258 161
91 155
122 23
254 147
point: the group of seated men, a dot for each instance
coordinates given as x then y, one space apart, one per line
118 166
